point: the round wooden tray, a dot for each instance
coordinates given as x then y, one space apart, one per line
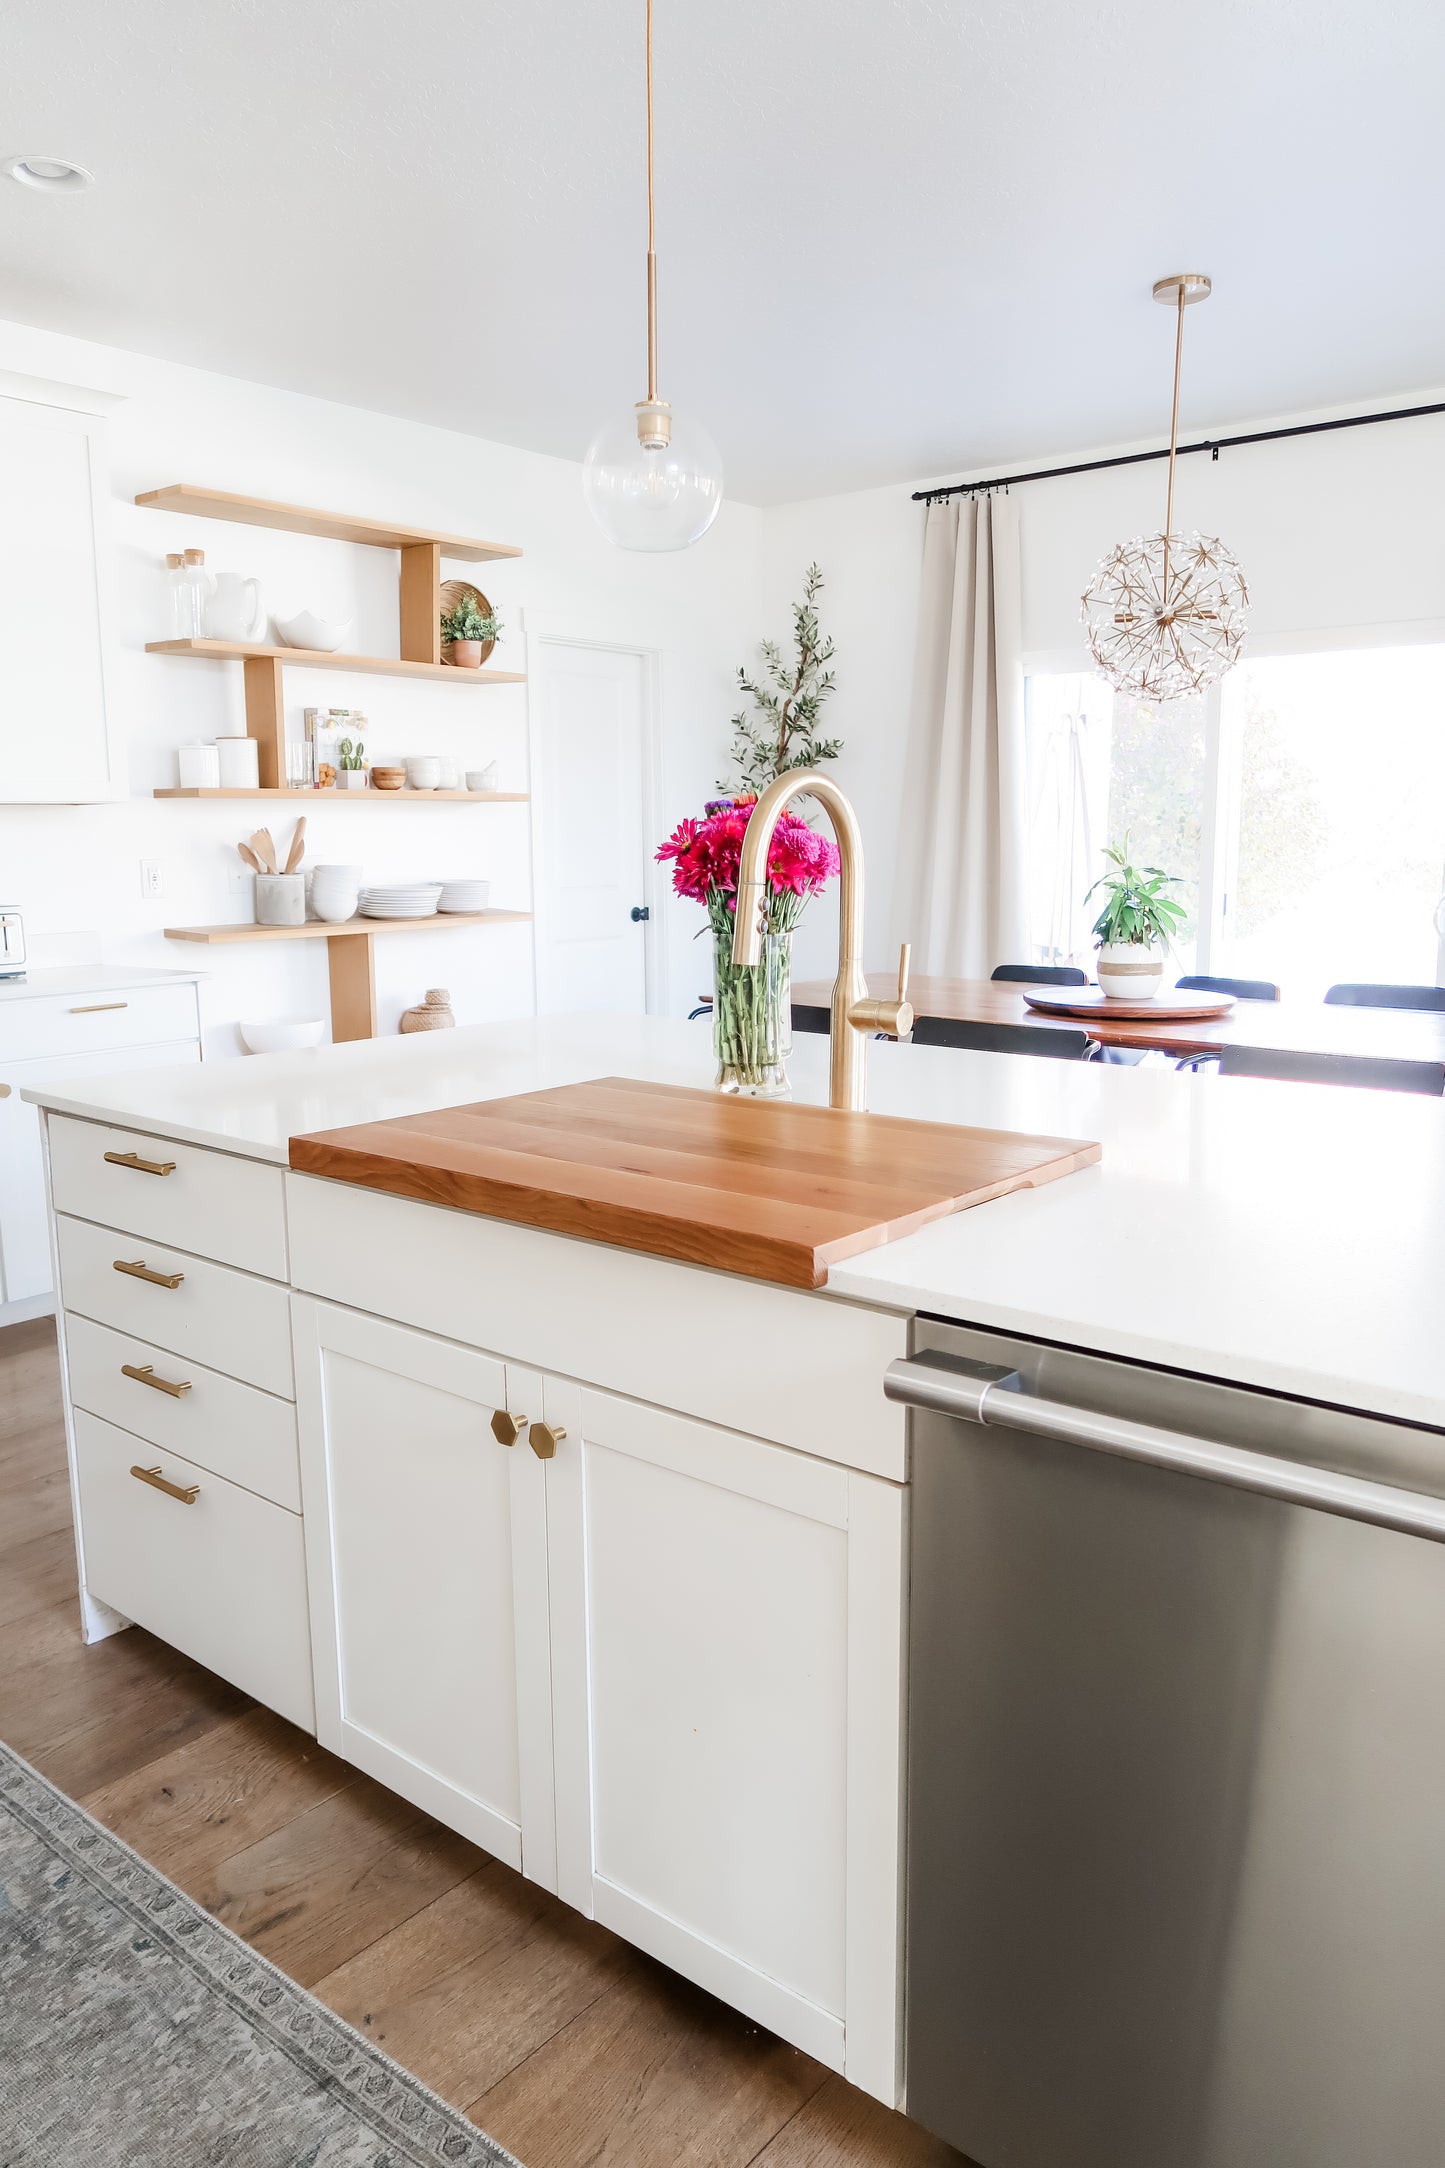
1165 1007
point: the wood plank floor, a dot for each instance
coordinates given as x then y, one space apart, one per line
569 2046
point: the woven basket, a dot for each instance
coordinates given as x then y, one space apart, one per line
455 592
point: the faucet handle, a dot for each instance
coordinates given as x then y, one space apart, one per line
905 958
893 1017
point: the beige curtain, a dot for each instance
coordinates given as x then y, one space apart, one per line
963 874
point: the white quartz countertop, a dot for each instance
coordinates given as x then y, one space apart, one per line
53 979
1285 1236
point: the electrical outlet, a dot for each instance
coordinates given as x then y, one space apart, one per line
151 884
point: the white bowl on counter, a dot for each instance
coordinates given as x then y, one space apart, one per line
286 1035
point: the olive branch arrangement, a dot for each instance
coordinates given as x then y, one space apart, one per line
786 697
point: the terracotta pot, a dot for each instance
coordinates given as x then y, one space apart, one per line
466 654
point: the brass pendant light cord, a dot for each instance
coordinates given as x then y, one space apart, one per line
652 243
1173 434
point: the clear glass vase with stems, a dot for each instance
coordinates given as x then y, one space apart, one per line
752 1018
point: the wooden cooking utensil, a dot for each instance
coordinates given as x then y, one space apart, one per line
298 841
250 857
262 845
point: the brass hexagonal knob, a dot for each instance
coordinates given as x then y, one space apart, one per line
507 1429
543 1439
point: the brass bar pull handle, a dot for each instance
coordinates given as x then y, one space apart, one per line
188 1493
144 1374
97 1008
140 1270
544 1439
507 1428
142 1166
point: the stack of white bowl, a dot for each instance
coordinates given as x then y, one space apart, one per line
402 899
464 895
335 892
423 771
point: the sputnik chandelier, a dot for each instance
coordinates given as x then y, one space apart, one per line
652 482
1166 613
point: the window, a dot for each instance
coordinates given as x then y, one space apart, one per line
1301 801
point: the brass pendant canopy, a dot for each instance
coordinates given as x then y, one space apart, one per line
1165 614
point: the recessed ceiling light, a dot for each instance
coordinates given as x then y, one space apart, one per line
57 176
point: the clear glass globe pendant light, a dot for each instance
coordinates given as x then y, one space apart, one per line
652 482
1165 613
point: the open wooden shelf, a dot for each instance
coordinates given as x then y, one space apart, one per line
350 954
314 658
333 526
361 797
316 929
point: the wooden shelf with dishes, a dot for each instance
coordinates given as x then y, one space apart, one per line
350 954
361 797
421 551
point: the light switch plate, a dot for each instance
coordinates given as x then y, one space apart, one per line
151 884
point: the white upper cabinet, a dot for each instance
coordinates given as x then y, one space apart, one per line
55 744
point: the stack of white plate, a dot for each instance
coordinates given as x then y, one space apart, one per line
402 899
464 895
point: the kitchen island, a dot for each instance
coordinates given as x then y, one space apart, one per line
602 1558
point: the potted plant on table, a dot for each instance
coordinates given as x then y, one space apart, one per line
466 630
1135 926
350 754
752 1005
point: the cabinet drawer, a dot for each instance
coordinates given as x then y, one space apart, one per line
208 1202
229 1428
225 1319
223 1579
56 1024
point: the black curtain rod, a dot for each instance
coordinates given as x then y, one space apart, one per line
1213 445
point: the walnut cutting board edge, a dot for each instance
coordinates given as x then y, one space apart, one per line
760 1187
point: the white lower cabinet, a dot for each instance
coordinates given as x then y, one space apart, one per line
427 1549
659 1669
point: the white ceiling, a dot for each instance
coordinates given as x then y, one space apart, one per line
897 238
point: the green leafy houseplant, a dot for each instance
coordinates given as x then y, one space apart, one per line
1136 910
350 753
467 622
781 733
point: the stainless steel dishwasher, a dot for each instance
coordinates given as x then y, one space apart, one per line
1176 1791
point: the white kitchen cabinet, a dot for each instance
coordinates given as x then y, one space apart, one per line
427 1555
55 741
727 1663
24 1242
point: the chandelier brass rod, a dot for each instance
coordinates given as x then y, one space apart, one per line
1173 442
1213 445
651 233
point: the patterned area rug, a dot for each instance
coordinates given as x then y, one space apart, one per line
137 2032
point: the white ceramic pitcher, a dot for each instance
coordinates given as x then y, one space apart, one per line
233 609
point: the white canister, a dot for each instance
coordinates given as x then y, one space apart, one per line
199 766
240 766
280 899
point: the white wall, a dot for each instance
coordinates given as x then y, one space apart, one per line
1338 535
75 870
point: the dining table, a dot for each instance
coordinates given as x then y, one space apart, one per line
1301 1027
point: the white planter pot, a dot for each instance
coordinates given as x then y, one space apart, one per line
352 778
1129 971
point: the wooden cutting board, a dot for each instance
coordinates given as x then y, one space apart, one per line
761 1187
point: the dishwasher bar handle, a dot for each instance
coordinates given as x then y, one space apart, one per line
995 1398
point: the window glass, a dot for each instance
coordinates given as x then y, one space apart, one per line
1157 770
1339 817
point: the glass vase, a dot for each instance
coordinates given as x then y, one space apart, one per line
752 1023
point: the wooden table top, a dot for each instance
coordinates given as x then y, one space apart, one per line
763 1187
1305 1027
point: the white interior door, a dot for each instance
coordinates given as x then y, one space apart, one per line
591 784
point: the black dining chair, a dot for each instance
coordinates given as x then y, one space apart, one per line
1242 989
1061 1044
808 1018
1041 975
1297 1068
1349 996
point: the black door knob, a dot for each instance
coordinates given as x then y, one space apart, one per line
639 913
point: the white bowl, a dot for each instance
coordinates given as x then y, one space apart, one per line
283 1037
306 629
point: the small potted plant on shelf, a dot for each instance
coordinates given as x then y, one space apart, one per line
353 772
466 631
1135 926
